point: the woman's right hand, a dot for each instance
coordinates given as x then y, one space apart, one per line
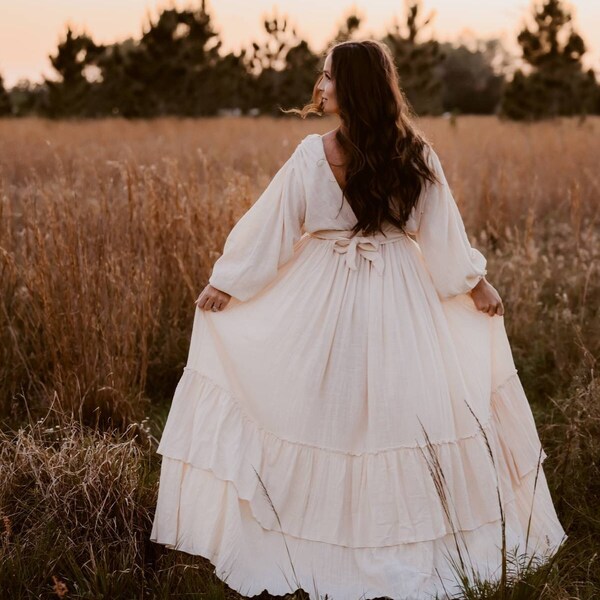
211 298
487 299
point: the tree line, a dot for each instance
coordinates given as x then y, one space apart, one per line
177 67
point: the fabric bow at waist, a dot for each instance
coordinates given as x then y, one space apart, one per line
351 246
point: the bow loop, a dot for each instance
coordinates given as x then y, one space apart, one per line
365 246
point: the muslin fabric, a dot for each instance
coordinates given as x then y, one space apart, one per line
314 411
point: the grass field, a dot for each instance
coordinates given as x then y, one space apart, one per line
108 232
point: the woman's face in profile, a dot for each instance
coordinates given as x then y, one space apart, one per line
327 88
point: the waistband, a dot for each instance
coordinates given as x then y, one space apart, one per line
367 246
391 233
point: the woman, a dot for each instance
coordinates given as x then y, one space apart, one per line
346 349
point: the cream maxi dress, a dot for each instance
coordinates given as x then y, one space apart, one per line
295 453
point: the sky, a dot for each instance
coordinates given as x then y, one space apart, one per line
30 29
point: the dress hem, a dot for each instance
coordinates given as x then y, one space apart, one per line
243 540
365 507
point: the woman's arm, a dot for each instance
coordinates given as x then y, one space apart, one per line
260 242
454 265
486 298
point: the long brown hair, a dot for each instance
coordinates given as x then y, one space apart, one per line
386 167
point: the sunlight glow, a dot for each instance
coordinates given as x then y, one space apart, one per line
30 29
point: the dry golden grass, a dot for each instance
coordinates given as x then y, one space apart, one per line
108 232
76 507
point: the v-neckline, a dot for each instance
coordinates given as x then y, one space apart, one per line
335 181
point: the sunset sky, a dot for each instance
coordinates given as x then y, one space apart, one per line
30 29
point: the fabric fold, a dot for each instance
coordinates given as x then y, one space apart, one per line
252 559
355 500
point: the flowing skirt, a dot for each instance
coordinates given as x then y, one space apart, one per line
348 432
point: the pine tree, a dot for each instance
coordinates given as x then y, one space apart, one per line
174 69
417 63
231 84
472 83
28 98
71 94
5 104
120 92
350 25
173 60
556 84
283 68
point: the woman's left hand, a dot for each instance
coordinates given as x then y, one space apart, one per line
212 299
487 299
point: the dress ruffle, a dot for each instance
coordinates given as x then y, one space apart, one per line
369 500
212 504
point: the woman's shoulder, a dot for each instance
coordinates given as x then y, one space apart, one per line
308 148
309 140
429 153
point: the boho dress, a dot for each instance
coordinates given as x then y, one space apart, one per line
305 434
